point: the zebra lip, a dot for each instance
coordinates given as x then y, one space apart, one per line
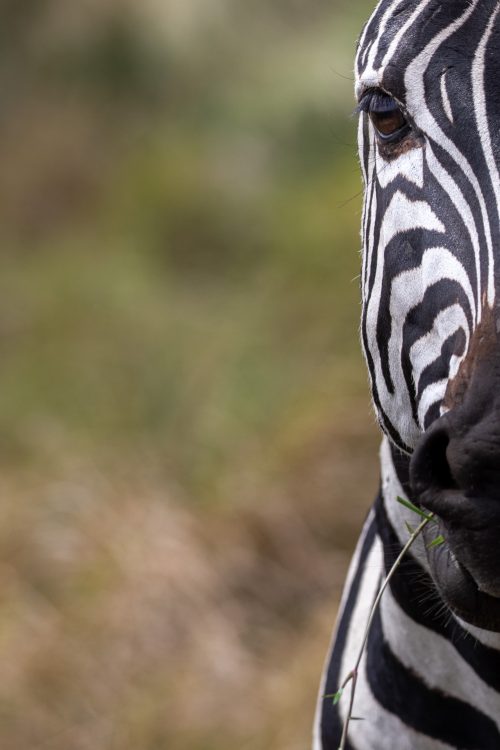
457 509
458 588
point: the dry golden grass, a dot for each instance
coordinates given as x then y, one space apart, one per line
186 446
129 621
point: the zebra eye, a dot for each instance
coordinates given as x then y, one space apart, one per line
386 115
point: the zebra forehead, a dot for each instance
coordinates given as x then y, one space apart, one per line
400 28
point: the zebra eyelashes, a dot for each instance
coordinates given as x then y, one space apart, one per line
386 115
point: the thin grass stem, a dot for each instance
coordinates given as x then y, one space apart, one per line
352 677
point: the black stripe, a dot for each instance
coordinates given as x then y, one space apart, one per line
331 725
383 419
439 369
411 587
419 321
432 413
457 241
404 252
371 268
401 462
429 711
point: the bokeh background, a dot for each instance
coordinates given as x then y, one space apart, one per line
187 448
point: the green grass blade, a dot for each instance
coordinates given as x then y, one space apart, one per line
408 504
436 542
335 696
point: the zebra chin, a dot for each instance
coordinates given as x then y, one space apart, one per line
466 566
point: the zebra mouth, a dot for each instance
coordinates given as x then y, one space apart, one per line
455 474
458 587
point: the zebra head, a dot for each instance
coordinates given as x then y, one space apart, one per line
428 86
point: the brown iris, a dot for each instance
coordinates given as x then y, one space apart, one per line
387 116
388 122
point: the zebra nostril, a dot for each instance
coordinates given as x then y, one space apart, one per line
430 467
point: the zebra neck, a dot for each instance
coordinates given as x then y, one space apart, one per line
424 678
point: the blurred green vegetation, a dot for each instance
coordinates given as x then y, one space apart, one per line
179 212
179 227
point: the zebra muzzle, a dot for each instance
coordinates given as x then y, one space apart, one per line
455 473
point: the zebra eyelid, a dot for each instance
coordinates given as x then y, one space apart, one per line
377 100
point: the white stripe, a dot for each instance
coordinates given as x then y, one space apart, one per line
416 102
364 50
372 215
446 98
479 95
427 349
463 208
395 42
409 165
379 725
407 291
398 515
353 567
435 660
402 215
370 76
432 394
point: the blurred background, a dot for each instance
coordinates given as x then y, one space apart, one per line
187 446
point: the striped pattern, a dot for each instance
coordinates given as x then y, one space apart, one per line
431 217
431 242
426 682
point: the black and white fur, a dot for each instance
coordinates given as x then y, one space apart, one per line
430 678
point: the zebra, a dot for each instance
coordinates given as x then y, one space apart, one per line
427 80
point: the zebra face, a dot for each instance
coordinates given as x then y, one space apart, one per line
427 75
